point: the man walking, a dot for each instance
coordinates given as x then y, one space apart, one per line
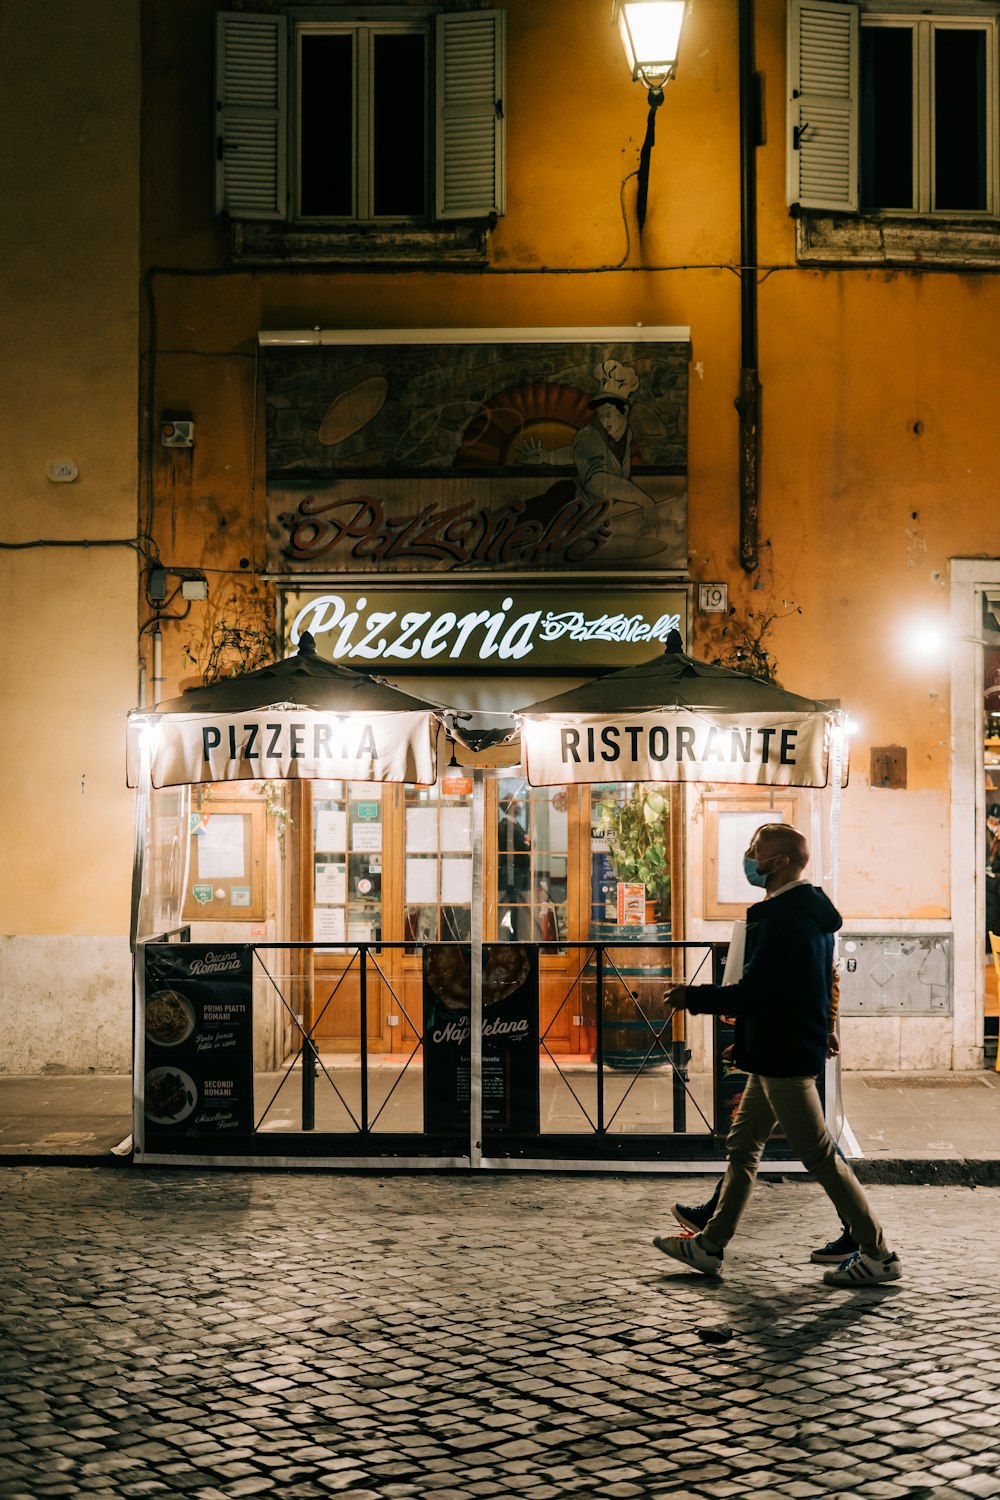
782 1009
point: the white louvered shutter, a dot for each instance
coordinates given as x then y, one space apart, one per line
250 104
469 133
823 105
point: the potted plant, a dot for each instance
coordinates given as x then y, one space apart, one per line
636 831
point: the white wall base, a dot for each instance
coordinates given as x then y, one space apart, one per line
65 1005
900 1044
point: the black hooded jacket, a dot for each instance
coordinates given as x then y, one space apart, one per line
782 1001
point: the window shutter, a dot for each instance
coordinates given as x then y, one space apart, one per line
823 105
250 148
469 136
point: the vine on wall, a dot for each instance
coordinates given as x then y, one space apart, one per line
240 638
744 643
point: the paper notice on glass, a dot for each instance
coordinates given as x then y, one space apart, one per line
331 831
329 924
421 880
331 884
456 882
366 836
360 932
220 848
456 828
421 829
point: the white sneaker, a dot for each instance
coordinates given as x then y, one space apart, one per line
860 1269
688 1249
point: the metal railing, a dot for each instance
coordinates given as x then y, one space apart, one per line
614 993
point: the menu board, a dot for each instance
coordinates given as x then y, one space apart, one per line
198 1048
510 1038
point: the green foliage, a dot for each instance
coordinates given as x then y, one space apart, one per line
637 834
746 633
236 648
240 638
746 650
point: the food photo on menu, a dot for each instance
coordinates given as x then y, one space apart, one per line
169 1018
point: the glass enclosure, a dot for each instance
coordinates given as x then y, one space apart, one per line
350 908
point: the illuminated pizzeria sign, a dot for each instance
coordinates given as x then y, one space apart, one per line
493 628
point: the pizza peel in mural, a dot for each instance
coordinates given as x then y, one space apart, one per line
463 457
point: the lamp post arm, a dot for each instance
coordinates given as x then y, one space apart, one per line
655 99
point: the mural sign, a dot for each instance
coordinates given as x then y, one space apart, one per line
512 453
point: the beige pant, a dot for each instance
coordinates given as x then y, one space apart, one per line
795 1104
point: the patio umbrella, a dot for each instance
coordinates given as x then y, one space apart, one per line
679 719
298 718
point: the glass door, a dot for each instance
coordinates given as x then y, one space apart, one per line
346 891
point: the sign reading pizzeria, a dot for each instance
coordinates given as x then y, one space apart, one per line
477 451
198 1048
486 627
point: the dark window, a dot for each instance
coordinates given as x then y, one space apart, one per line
959 119
326 112
887 117
924 89
399 110
363 125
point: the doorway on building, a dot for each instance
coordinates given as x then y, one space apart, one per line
394 864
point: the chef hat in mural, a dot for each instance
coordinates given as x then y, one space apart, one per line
616 382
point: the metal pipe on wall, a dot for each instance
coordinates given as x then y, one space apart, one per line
157 681
748 401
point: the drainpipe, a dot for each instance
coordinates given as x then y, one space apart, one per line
747 402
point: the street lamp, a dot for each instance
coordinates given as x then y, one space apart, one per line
651 32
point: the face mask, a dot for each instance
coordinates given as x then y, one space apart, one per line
752 871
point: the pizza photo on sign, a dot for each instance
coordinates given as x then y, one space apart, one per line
449 973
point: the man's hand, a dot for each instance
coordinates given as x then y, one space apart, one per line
529 451
832 1044
678 996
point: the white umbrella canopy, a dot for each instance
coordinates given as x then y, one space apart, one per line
299 718
678 719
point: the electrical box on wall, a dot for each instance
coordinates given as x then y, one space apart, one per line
904 975
177 429
888 767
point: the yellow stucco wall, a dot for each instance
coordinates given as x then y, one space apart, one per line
877 462
69 96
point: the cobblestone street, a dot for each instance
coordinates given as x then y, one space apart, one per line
167 1333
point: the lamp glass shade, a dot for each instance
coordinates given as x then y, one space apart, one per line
650 31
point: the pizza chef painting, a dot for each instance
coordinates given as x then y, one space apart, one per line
458 457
